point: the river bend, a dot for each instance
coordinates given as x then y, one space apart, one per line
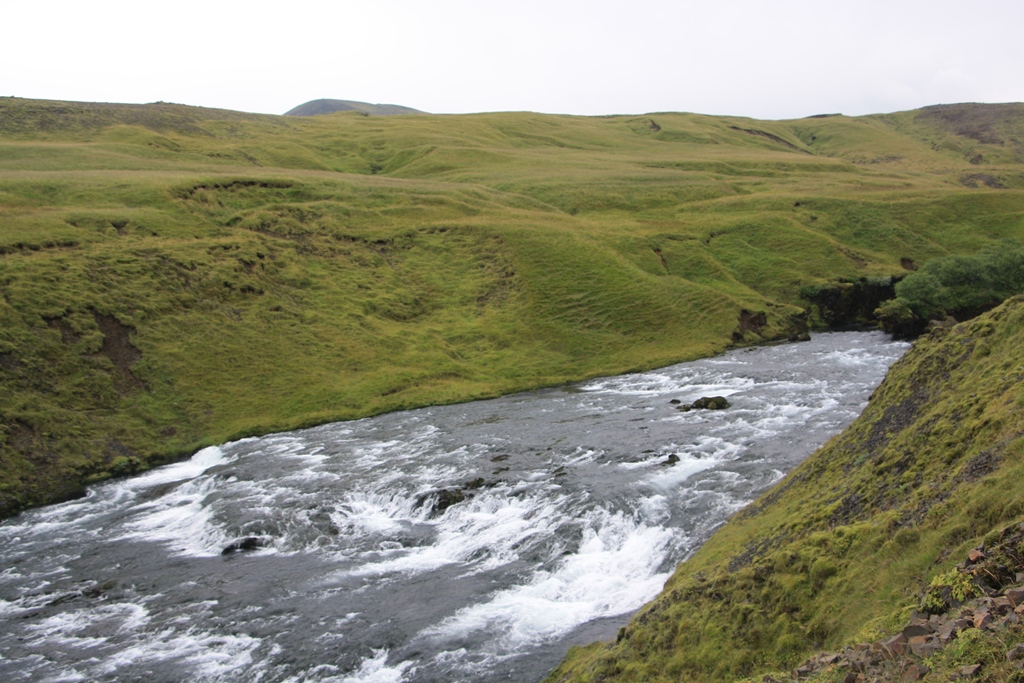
473 542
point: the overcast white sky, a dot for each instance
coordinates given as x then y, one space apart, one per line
766 59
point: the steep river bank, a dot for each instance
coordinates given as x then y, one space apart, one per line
474 542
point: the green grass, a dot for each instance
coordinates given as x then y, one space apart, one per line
273 272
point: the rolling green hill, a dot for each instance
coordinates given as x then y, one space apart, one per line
174 276
321 107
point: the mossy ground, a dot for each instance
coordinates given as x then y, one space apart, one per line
842 550
173 277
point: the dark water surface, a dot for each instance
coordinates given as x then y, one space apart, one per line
474 542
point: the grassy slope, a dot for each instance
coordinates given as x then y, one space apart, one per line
174 276
324 106
841 550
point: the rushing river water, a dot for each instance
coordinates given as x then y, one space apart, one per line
473 542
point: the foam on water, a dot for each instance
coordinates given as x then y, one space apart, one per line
483 533
374 670
684 385
668 478
85 517
189 469
849 357
373 514
181 519
612 572
208 656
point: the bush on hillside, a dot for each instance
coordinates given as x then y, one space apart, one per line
960 287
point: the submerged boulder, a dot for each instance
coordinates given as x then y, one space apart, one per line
706 403
446 498
245 545
440 500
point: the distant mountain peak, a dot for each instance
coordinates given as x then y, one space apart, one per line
324 106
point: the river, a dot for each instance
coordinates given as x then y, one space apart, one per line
473 542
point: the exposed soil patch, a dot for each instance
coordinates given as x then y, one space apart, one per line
189 192
752 322
661 257
756 549
886 159
67 335
117 346
856 258
21 247
770 136
985 462
895 419
908 263
977 179
851 507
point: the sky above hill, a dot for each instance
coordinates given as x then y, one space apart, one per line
758 58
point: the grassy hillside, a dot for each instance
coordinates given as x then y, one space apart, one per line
843 548
174 276
320 107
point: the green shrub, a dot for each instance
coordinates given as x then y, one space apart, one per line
897 317
957 286
953 585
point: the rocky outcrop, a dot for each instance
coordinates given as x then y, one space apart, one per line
440 500
994 575
244 545
902 656
850 302
752 325
705 403
752 322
